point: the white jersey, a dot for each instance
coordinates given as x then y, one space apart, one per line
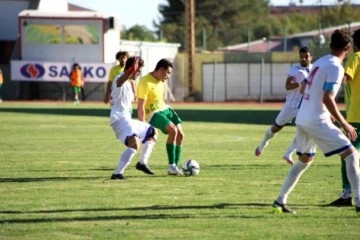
293 97
326 70
121 99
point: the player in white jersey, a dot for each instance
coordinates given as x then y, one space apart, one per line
131 132
314 122
296 76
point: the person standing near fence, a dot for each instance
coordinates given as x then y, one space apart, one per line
296 77
76 81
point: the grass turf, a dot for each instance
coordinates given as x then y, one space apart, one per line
56 160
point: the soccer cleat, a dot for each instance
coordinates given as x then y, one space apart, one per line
282 208
288 159
118 176
357 209
174 171
341 202
260 149
144 168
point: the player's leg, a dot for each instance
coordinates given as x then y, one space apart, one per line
175 119
351 158
333 141
306 151
123 131
148 136
76 95
345 197
161 121
289 152
285 116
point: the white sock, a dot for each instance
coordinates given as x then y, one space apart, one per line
291 180
125 160
353 173
268 135
291 149
146 151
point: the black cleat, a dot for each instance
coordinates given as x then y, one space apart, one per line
341 202
118 176
144 168
282 208
357 209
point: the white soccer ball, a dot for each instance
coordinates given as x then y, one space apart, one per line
191 167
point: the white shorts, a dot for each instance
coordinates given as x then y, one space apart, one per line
326 136
285 116
127 127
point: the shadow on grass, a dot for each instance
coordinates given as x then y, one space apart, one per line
196 115
43 179
142 213
139 210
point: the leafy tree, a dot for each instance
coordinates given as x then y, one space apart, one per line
227 22
138 33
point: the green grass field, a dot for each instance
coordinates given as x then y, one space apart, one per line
56 161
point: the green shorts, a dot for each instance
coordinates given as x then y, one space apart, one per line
162 119
356 143
77 89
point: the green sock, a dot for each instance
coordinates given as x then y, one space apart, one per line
345 180
170 149
177 154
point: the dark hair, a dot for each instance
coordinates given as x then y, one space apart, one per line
120 54
130 62
340 39
356 38
305 50
76 65
163 63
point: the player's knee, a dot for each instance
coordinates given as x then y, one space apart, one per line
306 158
133 142
172 130
153 135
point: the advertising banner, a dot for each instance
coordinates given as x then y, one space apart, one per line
57 71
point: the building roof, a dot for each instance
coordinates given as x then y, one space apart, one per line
277 44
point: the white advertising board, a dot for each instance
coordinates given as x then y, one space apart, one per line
57 71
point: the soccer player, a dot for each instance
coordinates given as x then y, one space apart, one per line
121 57
296 76
314 122
352 100
153 109
131 132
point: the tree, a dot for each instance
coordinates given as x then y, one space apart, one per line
138 33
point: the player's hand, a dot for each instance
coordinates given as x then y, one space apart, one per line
350 131
134 67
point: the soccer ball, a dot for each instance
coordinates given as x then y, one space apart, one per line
191 167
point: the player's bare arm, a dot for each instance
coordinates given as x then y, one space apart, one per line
128 72
329 101
141 109
291 83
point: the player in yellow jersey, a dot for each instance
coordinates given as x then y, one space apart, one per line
153 109
121 57
352 101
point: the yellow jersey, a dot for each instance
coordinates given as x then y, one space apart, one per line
152 91
115 71
352 88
